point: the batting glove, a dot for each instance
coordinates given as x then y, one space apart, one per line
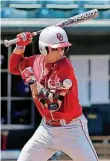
24 39
54 106
28 76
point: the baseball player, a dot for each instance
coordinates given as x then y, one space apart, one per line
53 84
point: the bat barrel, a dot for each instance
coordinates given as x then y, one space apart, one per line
80 18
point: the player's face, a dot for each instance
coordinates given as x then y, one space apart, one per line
54 55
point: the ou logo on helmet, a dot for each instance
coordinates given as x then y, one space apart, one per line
59 36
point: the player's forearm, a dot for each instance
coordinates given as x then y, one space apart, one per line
49 99
19 51
18 54
38 90
14 61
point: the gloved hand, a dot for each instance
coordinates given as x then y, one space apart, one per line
28 76
25 38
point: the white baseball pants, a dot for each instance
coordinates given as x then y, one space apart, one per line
73 139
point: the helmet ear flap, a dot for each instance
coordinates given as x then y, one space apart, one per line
47 49
43 50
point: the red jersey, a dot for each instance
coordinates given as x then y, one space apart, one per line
53 73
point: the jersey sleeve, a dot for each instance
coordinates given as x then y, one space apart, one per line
17 63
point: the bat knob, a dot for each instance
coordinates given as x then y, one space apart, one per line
6 43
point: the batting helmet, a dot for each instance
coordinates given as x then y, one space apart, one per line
53 37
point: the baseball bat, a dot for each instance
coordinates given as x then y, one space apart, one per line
72 20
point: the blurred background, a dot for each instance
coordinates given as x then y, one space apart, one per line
90 56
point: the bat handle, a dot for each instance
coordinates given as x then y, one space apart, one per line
7 43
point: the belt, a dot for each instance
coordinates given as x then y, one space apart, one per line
61 122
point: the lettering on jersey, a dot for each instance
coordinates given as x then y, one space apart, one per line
54 82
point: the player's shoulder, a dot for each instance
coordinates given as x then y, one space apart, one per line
65 63
64 68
